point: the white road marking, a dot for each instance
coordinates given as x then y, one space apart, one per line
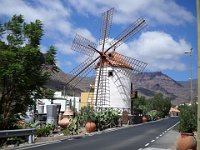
161 134
52 142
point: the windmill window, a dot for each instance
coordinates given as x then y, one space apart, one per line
110 73
110 55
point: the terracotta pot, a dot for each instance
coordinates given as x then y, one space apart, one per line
186 141
144 119
64 122
90 127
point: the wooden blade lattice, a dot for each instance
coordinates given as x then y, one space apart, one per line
82 75
127 33
102 93
121 83
136 65
105 26
83 45
78 73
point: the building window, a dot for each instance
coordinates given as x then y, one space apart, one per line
110 73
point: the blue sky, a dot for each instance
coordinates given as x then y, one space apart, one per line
171 29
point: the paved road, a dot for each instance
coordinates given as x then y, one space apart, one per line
134 138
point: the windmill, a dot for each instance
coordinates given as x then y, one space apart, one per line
114 72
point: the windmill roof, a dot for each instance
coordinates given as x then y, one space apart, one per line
114 59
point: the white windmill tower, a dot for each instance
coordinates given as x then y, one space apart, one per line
114 71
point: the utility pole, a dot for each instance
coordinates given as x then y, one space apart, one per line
191 90
198 87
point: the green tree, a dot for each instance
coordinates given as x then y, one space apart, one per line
158 104
161 104
141 103
23 67
137 102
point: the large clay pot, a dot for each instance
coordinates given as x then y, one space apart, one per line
65 119
144 119
90 126
186 141
64 122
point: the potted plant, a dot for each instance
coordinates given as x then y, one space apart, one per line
187 126
144 109
89 118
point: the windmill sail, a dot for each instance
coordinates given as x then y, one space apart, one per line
83 45
105 26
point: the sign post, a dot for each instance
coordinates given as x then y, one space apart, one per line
198 32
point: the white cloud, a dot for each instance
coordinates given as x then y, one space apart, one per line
64 48
55 17
162 11
158 49
52 14
43 48
86 33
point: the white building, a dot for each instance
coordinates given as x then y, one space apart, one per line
114 87
58 99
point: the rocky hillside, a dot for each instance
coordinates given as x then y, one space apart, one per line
148 85
154 82
59 80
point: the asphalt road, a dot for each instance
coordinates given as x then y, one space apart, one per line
131 138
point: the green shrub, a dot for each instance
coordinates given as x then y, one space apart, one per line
16 140
73 128
188 118
153 114
44 130
66 131
107 119
87 113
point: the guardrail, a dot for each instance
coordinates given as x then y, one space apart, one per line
19 132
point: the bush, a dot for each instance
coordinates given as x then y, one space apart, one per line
87 114
153 114
107 119
13 140
73 128
188 118
16 140
44 130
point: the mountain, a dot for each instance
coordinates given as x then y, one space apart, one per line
186 85
150 84
58 81
157 82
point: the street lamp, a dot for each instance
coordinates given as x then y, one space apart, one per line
190 54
